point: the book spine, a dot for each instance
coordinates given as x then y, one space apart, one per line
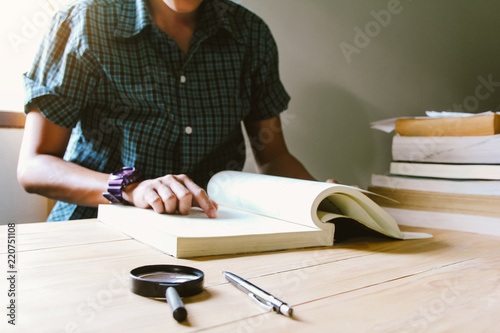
446 171
471 149
482 205
479 187
454 126
449 221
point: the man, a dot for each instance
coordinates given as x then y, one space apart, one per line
160 85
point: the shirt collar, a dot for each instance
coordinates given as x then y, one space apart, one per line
134 17
216 14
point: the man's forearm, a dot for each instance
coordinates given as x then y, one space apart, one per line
58 179
285 165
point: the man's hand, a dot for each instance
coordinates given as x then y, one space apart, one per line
170 194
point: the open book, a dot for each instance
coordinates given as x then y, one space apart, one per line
256 213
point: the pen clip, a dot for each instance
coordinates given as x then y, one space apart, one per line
260 302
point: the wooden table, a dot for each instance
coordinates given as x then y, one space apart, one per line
73 277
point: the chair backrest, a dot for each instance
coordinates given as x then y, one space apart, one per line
16 205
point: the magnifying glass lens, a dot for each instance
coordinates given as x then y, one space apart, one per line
168 277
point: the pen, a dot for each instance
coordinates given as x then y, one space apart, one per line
263 297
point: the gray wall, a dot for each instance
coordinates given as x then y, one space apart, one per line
419 55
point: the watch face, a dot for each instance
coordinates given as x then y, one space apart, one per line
122 172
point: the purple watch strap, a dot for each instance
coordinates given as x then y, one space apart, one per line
118 180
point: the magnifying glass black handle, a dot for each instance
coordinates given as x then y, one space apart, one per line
174 300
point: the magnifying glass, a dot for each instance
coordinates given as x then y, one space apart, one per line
168 281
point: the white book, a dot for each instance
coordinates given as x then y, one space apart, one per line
447 149
457 186
256 213
450 221
447 171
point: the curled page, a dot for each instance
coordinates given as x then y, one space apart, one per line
309 203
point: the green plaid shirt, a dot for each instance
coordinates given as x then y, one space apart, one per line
133 98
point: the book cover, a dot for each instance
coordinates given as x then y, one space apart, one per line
446 171
447 149
458 186
484 205
468 125
487 225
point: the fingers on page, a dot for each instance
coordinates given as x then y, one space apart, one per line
200 198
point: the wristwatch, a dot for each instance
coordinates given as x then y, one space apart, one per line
118 180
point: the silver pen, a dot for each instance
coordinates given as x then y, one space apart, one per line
262 297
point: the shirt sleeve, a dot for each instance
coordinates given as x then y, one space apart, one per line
61 79
269 97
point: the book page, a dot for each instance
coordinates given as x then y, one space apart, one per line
362 213
298 201
287 199
308 203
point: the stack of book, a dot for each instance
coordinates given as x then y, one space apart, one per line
445 173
